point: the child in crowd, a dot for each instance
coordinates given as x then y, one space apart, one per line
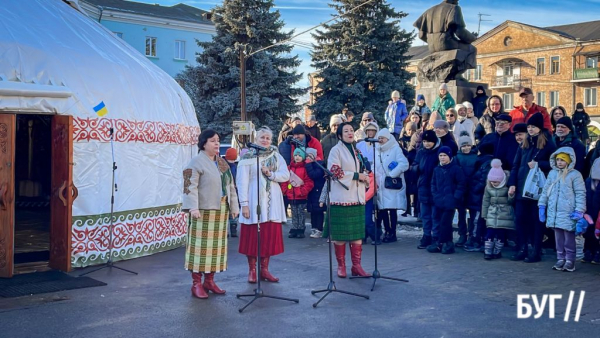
466 159
562 205
592 187
231 156
316 174
447 189
497 210
296 190
520 132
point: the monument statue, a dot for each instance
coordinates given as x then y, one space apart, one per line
451 53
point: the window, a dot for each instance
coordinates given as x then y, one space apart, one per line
507 100
591 62
554 99
508 70
414 81
555 65
468 75
590 97
150 46
180 50
541 66
119 34
541 99
478 72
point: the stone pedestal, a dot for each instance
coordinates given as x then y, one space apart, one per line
460 90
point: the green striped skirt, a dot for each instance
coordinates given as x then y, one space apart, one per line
206 249
347 223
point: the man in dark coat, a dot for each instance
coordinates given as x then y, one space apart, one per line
479 102
442 130
505 144
287 147
312 128
565 137
581 120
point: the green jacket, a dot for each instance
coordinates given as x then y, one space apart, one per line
442 104
497 207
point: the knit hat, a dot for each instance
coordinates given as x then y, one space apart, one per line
458 106
441 124
312 118
310 152
579 105
335 119
420 97
504 117
465 141
395 93
384 132
430 136
520 128
496 174
486 148
367 115
468 105
231 154
443 86
536 120
445 150
299 130
299 152
566 121
565 157
371 126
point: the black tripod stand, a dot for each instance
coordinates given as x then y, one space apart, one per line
331 286
376 275
258 292
110 263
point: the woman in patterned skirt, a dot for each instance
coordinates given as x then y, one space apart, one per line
209 195
273 170
347 206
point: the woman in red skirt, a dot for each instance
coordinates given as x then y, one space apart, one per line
273 170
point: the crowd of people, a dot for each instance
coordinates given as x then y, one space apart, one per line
527 175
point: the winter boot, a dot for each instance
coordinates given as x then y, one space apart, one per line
588 256
425 242
461 241
197 289
498 245
233 228
251 269
488 250
264 271
435 246
535 255
340 256
293 233
355 254
448 248
300 233
209 284
520 255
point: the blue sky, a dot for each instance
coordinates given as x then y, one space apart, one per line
303 14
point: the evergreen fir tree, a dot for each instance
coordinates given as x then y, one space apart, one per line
361 58
214 84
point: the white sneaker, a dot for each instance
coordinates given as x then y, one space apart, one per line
316 234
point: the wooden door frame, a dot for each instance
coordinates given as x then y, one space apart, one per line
7 189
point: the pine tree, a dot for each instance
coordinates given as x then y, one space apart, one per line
214 84
361 58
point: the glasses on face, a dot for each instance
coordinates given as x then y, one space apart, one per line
367 120
450 115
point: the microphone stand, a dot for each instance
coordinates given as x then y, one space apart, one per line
110 263
331 286
376 274
258 292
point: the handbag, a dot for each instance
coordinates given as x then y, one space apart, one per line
534 184
393 183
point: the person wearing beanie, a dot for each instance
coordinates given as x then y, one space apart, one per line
564 136
520 132
527 109
367 118
443 102
562 205
442 130
312 127
330 140
466 158
316 174
406 134
366 148
422 167
395 114
462 125
497 210
421 107
504 141
479 102
534 151
471 114
581 120
296 191
447 189
287 147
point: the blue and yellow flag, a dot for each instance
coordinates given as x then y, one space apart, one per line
100 109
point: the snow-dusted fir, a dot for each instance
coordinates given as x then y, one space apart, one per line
214 85
361 59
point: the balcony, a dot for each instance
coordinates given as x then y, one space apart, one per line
586 75
509 83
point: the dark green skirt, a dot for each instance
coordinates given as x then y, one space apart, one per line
347 223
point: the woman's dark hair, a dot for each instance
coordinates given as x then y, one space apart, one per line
340 131
552 121
489 100
204 136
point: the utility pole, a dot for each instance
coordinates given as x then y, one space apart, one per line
480 20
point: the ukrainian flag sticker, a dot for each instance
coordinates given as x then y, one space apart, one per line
100 109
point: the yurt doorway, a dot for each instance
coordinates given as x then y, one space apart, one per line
36 192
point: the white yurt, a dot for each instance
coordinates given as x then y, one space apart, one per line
75 102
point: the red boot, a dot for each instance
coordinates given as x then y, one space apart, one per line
264 271
209 284
340 256
197 289
251 269
355 253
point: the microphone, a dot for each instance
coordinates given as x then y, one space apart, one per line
255 146
372 140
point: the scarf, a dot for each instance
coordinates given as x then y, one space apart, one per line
267 158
